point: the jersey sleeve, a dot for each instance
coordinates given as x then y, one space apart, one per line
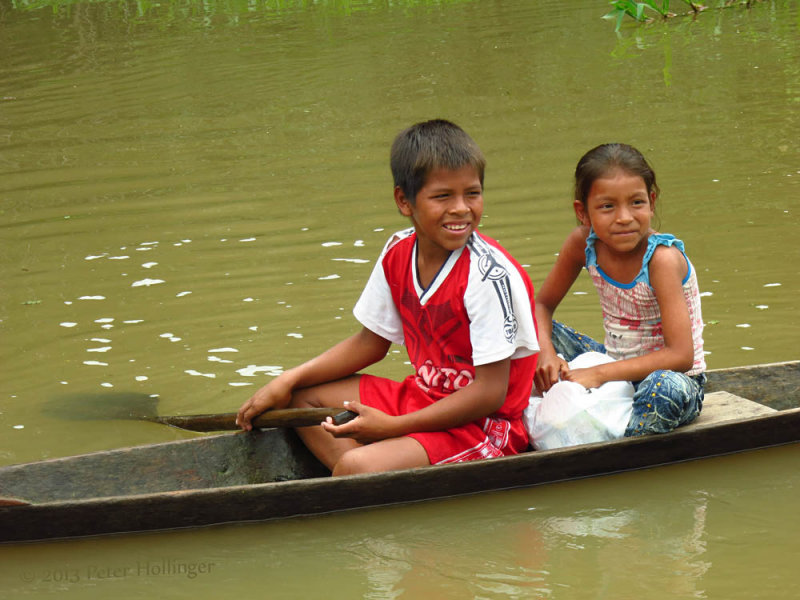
376 309
500 310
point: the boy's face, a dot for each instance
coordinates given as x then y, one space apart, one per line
447 210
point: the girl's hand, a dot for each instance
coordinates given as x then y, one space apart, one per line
588 378
549 369
272 395
371 425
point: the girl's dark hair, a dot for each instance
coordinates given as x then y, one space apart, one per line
603 160
430 145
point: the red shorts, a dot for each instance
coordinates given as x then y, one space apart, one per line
486 438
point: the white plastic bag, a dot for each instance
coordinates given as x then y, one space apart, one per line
568 414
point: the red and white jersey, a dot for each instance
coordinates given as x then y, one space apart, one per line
478 310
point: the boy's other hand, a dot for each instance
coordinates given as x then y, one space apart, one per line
371 425
549 370
270 396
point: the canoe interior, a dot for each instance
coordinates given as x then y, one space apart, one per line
776 385
207 462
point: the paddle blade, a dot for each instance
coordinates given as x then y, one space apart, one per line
102 406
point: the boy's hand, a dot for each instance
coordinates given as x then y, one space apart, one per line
371 425
272 395
549 369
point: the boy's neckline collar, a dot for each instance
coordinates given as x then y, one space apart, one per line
424 294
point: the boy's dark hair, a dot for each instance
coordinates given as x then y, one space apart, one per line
603 160
430 145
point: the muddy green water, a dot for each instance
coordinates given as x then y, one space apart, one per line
192 196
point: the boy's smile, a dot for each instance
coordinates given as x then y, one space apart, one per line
447 210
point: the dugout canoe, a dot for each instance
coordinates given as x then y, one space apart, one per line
269 474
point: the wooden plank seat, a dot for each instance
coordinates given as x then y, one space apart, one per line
723 406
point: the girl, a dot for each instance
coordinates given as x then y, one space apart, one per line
648 293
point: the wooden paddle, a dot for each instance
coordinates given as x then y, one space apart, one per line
283 417
143 407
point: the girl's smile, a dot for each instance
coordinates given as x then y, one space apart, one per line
619 210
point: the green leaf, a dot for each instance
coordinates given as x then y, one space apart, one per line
617 14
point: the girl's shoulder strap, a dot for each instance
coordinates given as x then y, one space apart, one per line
591 253
661 239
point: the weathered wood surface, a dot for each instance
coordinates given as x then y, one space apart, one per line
719 407
776 385
216 462
190 483
206 462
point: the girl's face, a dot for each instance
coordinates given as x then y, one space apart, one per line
619 209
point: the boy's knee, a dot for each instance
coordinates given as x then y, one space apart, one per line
305 398
351 463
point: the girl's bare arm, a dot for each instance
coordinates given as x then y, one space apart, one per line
571 259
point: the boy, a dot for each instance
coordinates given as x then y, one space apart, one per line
460 304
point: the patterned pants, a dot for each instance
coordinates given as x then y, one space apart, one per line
663 400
